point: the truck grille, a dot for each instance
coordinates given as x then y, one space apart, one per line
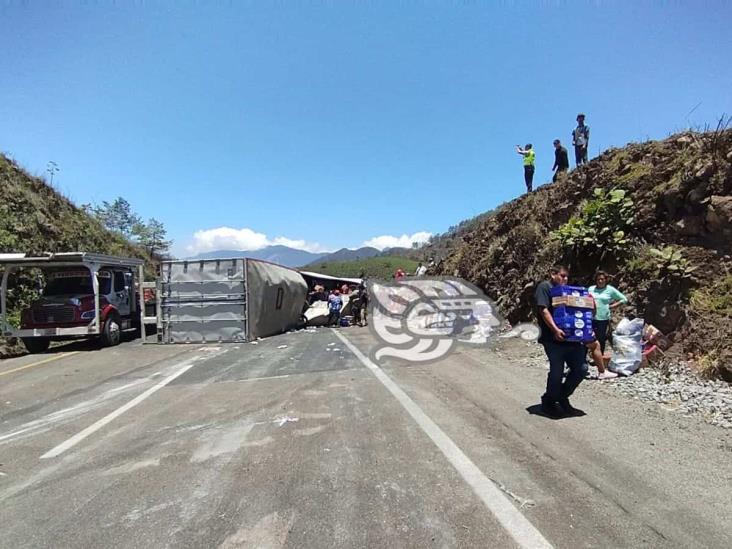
52 315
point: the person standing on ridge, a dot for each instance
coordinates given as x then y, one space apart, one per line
581 140
561 160
529 160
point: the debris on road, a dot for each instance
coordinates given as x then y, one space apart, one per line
282 346
286 419
523 502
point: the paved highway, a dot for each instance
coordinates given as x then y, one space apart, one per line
301 441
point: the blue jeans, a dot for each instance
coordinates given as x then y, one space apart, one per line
559 354
334 317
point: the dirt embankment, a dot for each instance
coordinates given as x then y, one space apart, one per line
671 256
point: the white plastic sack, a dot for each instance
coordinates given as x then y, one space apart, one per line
627 347
629 327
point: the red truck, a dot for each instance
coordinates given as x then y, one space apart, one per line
85 295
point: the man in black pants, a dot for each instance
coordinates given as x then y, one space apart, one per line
529 160
555 401
561 160
581 140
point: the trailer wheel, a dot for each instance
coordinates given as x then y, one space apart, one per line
112 332
36 344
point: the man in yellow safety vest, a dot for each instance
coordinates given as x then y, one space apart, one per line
529 160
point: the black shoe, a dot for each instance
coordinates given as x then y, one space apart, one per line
569 409
552 410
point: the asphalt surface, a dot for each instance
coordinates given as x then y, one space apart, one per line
305 446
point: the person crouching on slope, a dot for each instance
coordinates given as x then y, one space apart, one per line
555 401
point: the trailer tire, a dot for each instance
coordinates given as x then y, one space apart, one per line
112 331
36 344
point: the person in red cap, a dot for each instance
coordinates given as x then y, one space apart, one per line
399 274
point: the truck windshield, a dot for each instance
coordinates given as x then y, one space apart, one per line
76 283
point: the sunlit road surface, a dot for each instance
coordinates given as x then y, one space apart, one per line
312 445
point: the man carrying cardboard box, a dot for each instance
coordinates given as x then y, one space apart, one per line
560 352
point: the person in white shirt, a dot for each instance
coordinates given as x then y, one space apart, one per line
421 270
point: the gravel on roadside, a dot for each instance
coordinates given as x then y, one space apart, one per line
673 385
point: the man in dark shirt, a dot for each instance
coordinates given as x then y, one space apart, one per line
555 401
561 160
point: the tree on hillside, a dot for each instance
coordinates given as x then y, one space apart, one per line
116 216
152 235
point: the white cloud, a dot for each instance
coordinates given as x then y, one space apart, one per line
245 239
404 241
227 238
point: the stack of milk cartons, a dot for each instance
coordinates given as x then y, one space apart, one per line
573 308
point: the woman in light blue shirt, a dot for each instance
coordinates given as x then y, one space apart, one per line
606 298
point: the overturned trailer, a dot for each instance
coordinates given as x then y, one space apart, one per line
227 300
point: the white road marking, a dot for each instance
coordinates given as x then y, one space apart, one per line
46 422
512 520
81 435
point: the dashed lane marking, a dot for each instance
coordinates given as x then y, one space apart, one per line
81 435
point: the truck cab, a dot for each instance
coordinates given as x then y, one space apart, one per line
67 301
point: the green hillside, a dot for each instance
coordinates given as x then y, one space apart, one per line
372 267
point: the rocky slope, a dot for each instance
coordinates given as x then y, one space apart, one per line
671 256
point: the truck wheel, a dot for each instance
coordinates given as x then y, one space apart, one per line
111 333
36 344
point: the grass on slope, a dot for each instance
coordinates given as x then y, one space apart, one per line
372 267
34 218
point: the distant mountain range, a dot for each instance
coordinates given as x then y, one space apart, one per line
344 254
290 257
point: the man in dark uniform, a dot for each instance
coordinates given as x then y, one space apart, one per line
561 160
555 401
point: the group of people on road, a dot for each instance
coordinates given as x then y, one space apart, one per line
569 354
358 300
580 141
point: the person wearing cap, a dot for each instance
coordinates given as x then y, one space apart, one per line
581 140
561 160
529 160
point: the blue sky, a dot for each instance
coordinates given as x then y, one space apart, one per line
328 124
